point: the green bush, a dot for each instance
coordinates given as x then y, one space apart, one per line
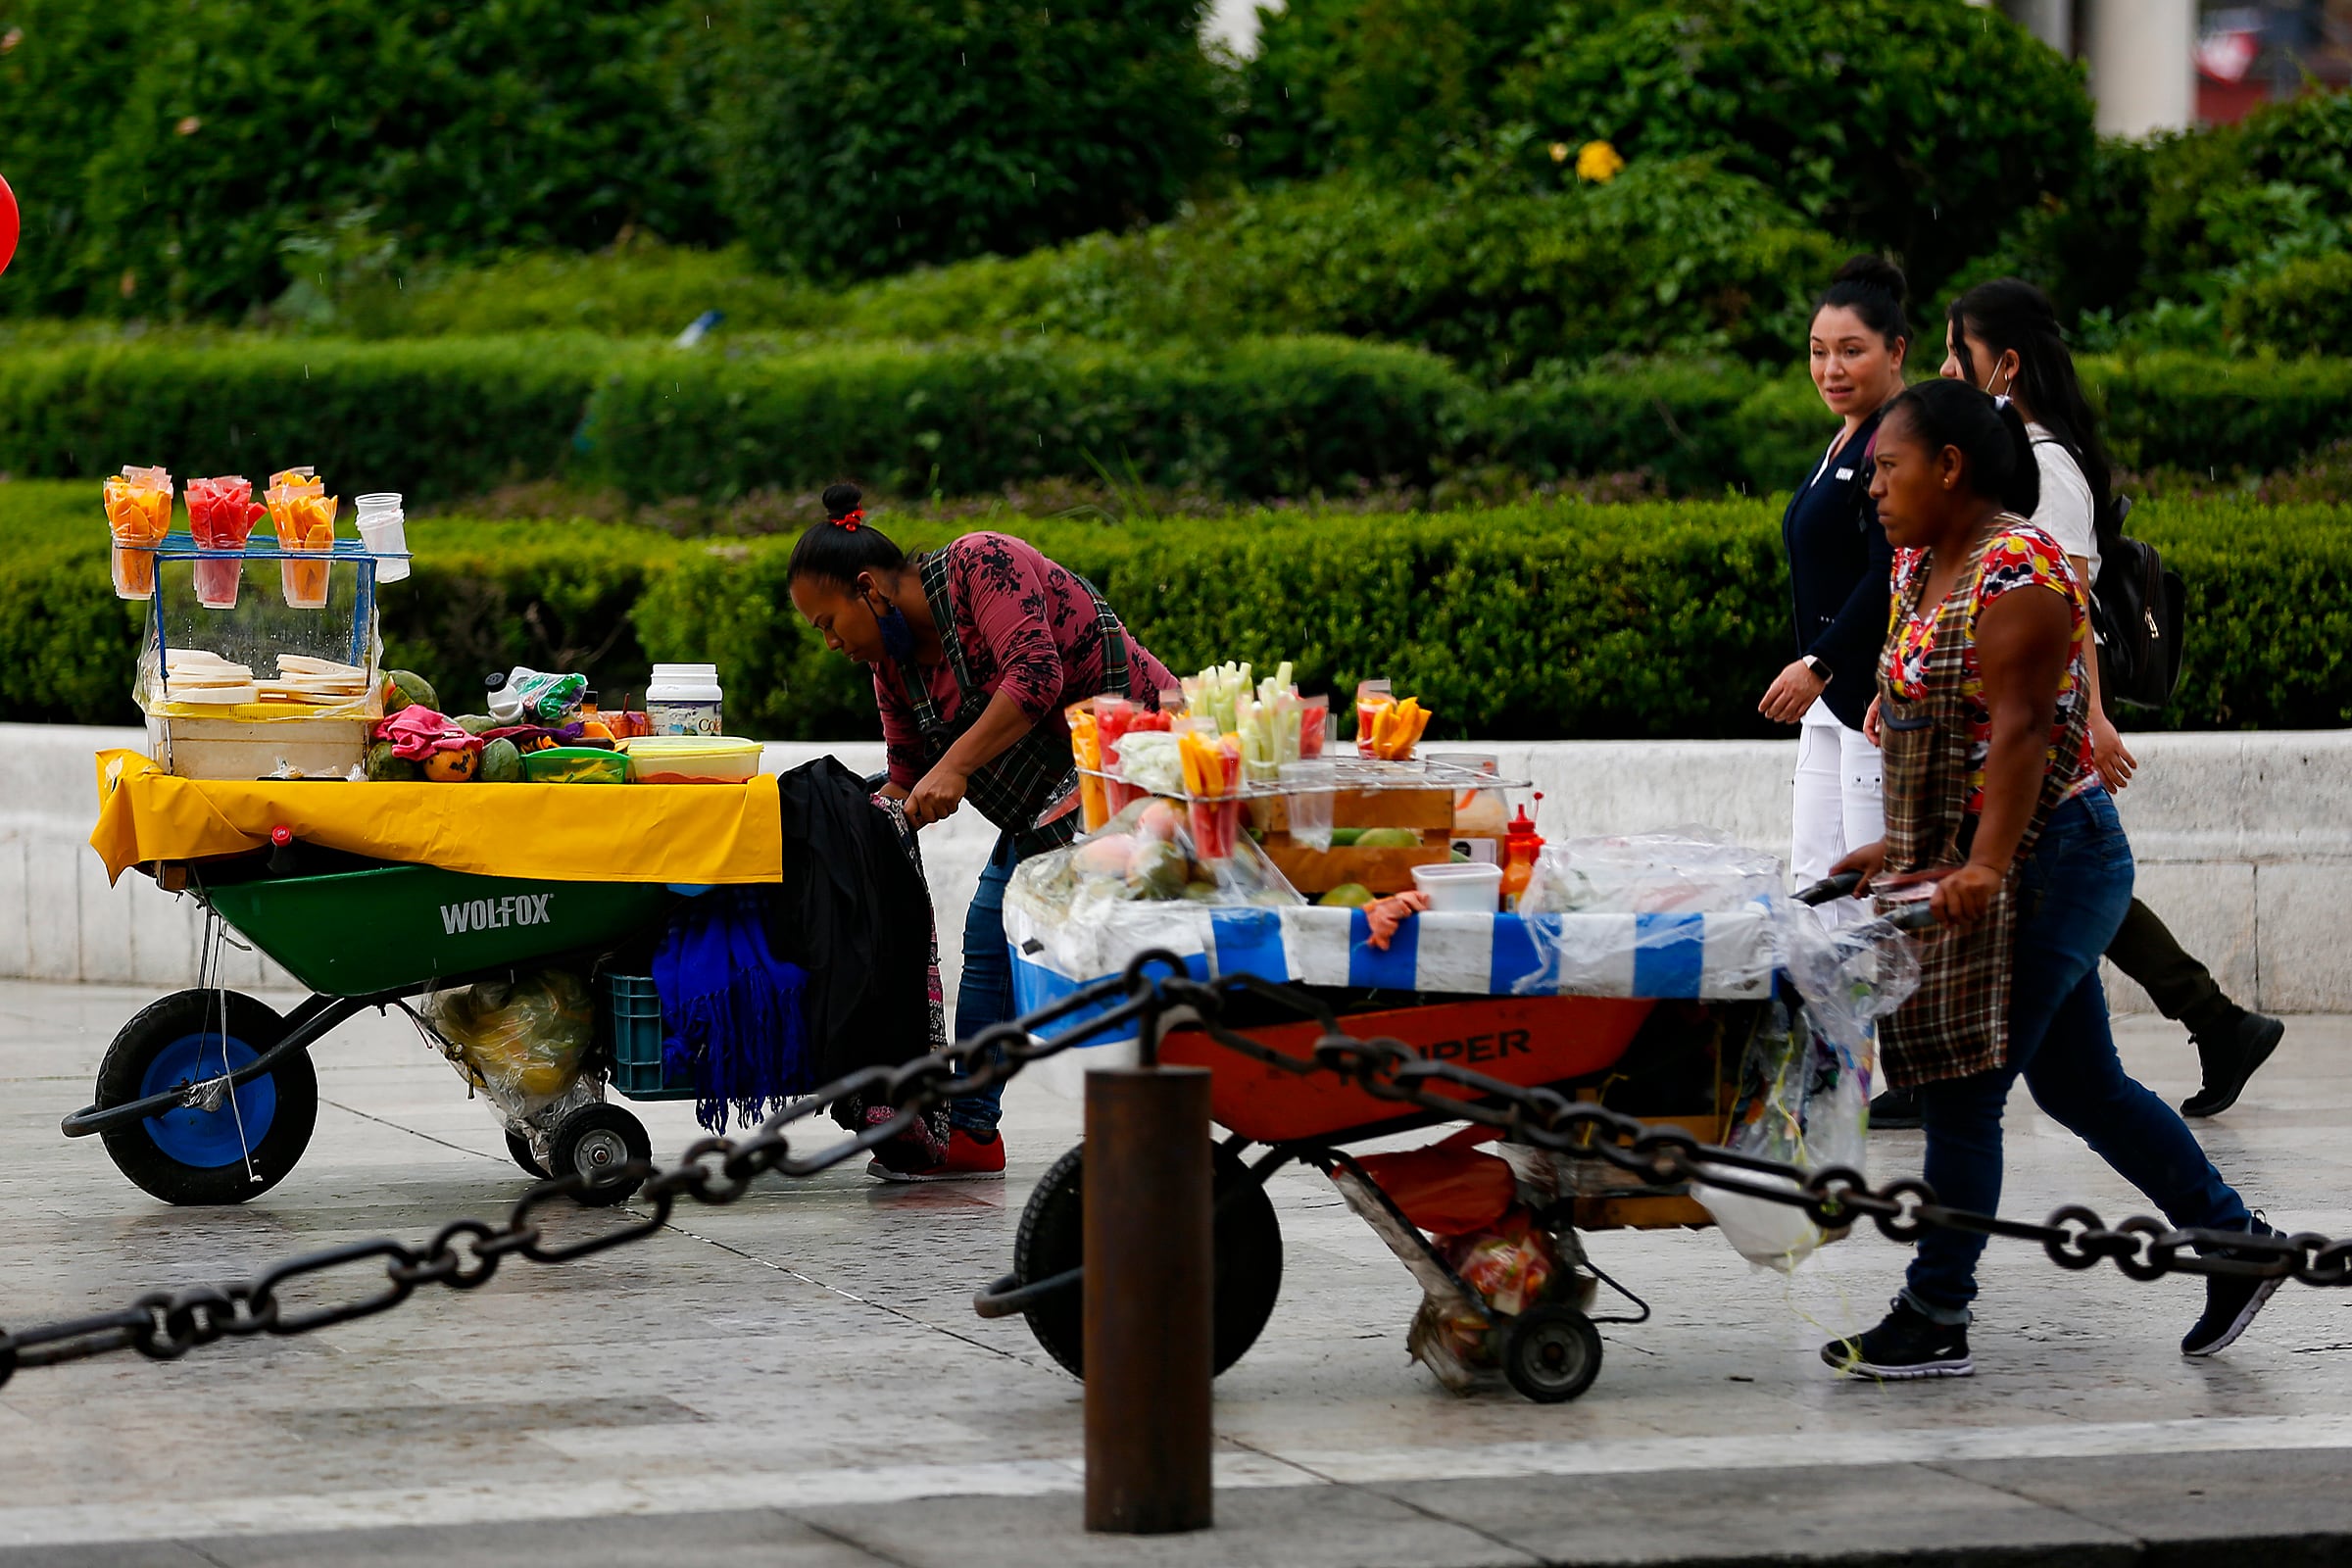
178 145
856 137
1524 621
2248 417
432 419
1917 126
1404 87
641 290
1258 418
2305 307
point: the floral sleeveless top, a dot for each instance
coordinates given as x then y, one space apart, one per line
2021 556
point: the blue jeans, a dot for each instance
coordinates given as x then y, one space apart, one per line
2070 899
984 995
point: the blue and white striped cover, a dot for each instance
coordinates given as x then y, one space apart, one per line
1720 956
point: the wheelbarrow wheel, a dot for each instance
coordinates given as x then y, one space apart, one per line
592 1141
1246 1261
253 1136
519 1149
1552 1353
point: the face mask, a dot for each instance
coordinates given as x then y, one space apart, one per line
898 637
2003 388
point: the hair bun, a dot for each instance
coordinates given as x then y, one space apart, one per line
1873 271
841 499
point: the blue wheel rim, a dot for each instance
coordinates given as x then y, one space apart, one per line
209 1139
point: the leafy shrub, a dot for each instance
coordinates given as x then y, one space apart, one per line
856 137
1667 257
1524 622
203 134
2249 416
1917 126
2305 307
1404 87
640 290
432 419
1260 417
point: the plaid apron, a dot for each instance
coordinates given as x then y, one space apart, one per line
1957 1022
1020 790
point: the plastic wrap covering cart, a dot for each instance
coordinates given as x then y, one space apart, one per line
1679 1016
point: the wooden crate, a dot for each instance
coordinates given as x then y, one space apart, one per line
1315 872
1423 810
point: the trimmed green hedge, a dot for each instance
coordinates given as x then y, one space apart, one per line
1256 419
1520 622
434 419
1267 416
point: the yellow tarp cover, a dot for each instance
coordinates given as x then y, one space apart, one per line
699 833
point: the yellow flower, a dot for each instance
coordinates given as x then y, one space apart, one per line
1598 162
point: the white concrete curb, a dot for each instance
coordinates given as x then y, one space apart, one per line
2245 844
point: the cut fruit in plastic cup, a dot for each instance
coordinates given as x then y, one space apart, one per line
216 580
305 583
134 572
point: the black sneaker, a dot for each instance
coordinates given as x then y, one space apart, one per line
2230 1302
2229 1059
1907 1346
1896 1111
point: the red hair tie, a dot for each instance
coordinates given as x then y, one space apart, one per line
849 520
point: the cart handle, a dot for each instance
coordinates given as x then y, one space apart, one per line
1008 1295
1841 886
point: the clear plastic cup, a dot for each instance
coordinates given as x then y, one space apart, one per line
1371 696
1314 727
135 572
216 580
384 528
1308 797
305 581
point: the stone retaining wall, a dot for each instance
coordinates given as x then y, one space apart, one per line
2244 843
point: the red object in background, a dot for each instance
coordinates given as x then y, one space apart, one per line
7 224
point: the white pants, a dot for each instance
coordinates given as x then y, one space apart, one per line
1840 802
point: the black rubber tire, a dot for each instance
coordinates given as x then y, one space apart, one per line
519 1149
1248 1261
593 1138
122 1073
1552 1353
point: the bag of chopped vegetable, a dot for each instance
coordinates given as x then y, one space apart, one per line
520 1041
1137 883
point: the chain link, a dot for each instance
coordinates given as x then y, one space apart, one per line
715 1171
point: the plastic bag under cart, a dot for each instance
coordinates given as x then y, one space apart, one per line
522 1043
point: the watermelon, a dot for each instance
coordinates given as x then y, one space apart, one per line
502 763
404 688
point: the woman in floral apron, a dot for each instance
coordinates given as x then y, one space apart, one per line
975 649
1993 801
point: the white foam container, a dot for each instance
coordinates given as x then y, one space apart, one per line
1456 889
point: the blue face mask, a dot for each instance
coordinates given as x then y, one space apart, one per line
898 637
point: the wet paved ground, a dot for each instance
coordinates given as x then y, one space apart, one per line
800 1377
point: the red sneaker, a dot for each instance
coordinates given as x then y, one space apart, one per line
968 1159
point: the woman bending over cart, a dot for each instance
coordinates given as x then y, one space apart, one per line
1992 796
976 649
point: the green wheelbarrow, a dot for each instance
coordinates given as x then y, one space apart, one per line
209 1095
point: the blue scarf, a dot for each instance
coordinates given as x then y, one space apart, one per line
731 1010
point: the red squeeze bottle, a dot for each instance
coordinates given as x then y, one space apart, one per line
1519 844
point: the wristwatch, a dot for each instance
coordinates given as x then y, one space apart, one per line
1820 666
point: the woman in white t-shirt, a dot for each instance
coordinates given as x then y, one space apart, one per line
2003 336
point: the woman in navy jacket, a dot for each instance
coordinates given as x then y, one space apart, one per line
1838 565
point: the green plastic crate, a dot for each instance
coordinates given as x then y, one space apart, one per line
359 933
633 1040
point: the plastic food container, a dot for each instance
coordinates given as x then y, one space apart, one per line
1456 889
693 758
575 764
685 700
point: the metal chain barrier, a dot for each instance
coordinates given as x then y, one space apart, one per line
165 1325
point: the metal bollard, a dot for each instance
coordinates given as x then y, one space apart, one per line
1148 1299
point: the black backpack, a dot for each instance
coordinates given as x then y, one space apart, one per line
2139 611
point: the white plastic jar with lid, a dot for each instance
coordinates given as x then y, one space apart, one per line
684 700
